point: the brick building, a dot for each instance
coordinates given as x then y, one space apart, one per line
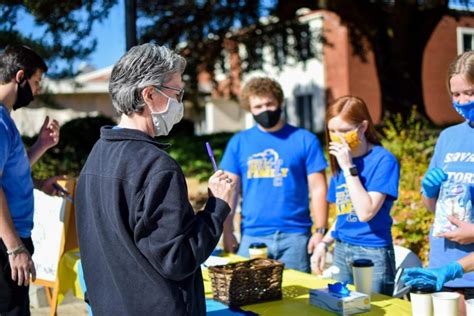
308 86
337 71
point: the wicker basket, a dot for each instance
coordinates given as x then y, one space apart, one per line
247 282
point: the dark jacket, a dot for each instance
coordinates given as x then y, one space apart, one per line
141 243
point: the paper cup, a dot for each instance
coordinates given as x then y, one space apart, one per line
421 301
258 250
470 307
445 303
362 273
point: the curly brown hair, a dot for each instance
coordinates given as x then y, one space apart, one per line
260 86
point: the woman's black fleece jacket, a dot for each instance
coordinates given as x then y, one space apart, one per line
141 242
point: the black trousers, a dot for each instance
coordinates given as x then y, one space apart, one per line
14 299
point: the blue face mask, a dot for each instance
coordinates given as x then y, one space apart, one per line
466 110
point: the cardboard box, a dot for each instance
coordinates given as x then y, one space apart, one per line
354 303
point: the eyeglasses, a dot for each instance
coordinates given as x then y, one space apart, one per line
180 94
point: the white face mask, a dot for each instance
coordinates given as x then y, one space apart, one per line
164 121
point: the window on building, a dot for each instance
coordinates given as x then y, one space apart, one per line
304 45
304 111
465 39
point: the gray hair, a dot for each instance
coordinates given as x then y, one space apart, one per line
142 66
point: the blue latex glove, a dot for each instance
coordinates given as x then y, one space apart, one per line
435 277
432 181
339 288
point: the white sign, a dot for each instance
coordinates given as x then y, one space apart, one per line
46 234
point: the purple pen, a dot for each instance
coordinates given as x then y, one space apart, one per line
63 191
211 155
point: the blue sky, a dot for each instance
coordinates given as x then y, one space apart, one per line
110 34
460 4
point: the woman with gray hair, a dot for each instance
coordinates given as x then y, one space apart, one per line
141 242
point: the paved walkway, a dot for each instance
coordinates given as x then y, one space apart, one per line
71 306
70 309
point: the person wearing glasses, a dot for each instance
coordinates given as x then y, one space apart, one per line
141 242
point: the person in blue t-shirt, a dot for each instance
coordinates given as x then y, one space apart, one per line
453 160
363 187
21 70
276 167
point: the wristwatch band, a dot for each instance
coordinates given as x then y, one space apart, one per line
321 230
351 171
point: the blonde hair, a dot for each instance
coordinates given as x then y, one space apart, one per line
462 65
261 87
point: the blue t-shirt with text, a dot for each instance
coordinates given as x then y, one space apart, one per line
379 171
454 153
15 175
273 167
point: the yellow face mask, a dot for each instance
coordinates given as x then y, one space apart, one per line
352 138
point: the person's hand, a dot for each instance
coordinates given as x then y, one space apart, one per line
221 186
313 242
51 187
464 234
230 242
435 277
318 259
22 266
49 134
342 153
432 181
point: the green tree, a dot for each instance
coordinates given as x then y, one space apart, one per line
397 31
203 30
62 28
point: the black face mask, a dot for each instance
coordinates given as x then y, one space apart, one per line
24 95
268 119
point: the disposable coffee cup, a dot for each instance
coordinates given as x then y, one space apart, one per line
470 307
362 272
258 250
445 303
421 302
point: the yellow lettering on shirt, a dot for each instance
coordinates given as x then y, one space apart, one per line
343 200
266 164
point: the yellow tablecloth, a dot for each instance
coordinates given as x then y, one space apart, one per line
67 275
296 286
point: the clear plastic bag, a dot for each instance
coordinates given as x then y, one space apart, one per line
454 200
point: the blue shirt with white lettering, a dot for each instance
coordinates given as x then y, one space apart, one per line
274 169
15 175
454 153
379 171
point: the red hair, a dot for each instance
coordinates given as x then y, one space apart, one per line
354 111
